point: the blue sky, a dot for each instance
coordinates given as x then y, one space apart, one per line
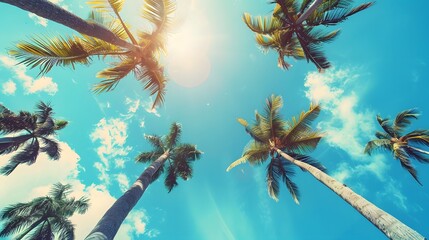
217 74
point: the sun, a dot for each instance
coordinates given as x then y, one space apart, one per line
187 59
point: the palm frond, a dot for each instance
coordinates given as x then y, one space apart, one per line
272 180
301 125
65 228
386 125
107 5
262 25
418 154
43 112
237 162
60 124
400 154
146 157
114 74
274 123
256 152
309 160
378 144
153 79
188 152
382 135
285 170
171 179
27 155
45 52
155 141
11 144
313 52
403 119
336 15
173 137
158 12
60 191
51 148
305 142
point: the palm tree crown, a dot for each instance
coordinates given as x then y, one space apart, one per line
179 159
34 130
295 137
292 36
44 217
403 146
47 52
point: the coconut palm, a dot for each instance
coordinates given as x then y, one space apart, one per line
139 56
32 133
179 158
285 143
43 218
292 29
403 146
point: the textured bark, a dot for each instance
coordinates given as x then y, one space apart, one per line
309 11
109 224
389 225
48 10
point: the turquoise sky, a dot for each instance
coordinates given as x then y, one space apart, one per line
217 73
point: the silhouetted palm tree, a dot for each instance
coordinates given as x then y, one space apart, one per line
292 29
139 56
285 142
35 132
43 218
403 146
179 158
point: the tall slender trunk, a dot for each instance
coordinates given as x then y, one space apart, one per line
309 11
109 224
389 225
48 10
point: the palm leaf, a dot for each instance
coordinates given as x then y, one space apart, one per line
174 136
377 144
237 162
44 52
153 79
60 124
387 127
332 17
146 157
286 171
418 154
301 125
107 5
400 154
262 25
113 75
403 119
155 141
171 179
305 142
158 13
313 52
309 160
272 118
273 180
51 148
256 152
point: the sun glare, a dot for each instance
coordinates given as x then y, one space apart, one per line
187 58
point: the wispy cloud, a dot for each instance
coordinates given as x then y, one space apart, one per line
30 85
147 105
112 135
38 20
123 181
9 88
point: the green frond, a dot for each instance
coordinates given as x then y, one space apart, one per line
309 160
272 180
262 25
65 229
112 76
418 137
153 79
171 179
173 137
382 135
158 12
43 112
60 191
302 125
418 154
187 152
378 144
285 171
237 162
386 125
274 123
155 141
107 5
60 124
332 16
45 52
402 156
51 148
313 52
305 142
403 119
27 155
242 122
256 152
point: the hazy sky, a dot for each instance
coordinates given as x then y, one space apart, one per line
217 73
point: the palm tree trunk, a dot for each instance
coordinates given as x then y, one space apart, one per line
109 224
309 11
389 225
48 10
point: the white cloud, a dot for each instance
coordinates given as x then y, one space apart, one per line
142 123
347 126
112 135
30 85
9 88
123 181
28 182
119 163
133 106
147 105
391 191
153 233
38 20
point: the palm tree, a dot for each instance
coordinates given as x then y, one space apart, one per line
403 146
285 143
35 132
166 149
44 218
138 54
292 30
